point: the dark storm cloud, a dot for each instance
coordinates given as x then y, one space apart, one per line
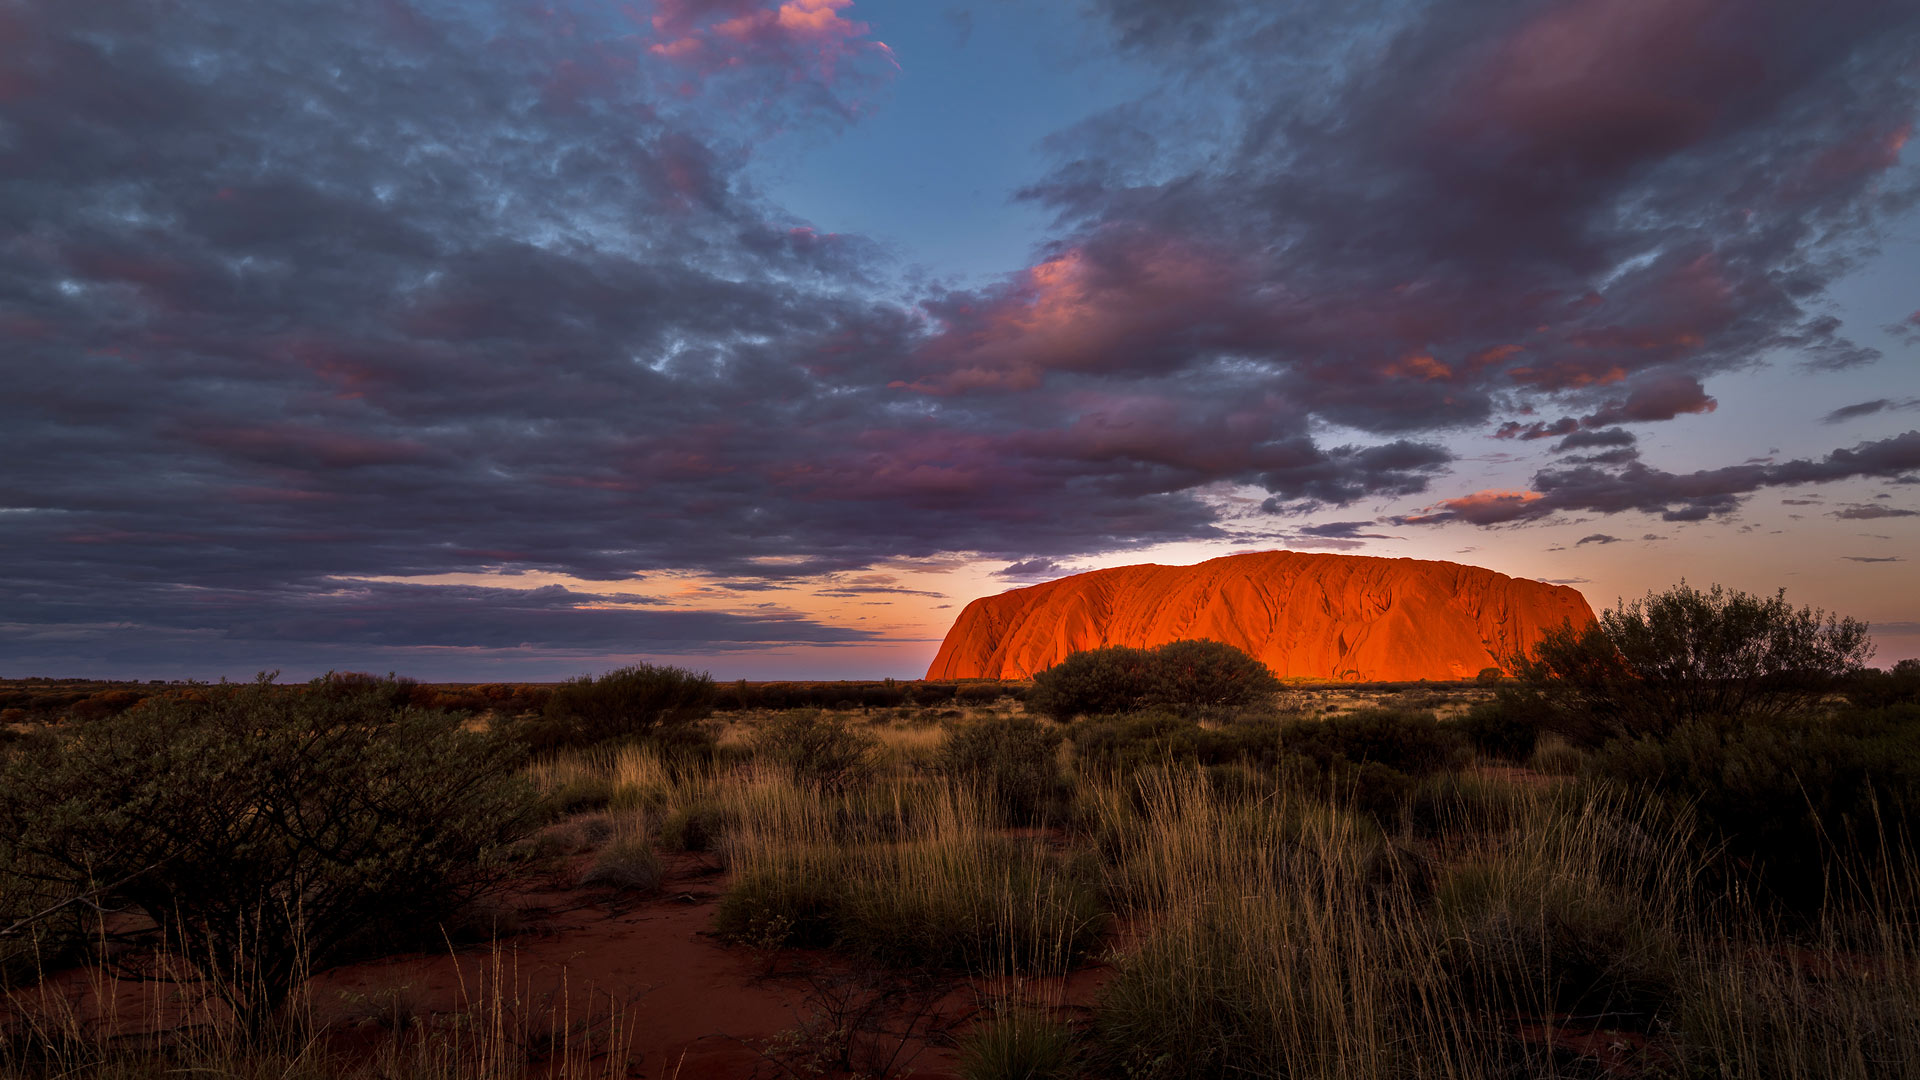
1873 558
305 291
359 625
1597 538
1871 513
386 289
1652 397
1692 496
1582 440
1448 211
1035 570
1867 408
1346 530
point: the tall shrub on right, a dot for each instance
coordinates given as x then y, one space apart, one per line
1723 703
1649 666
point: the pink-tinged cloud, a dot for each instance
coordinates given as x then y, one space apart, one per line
808 40
1121 302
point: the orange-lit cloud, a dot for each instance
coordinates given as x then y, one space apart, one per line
1116 303
811 38
1480 508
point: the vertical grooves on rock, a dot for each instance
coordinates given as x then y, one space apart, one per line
1303 614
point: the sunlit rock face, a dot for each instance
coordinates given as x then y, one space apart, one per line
1312 615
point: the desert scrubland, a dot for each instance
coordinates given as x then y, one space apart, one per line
1675 844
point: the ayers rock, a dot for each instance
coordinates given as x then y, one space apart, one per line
1310 615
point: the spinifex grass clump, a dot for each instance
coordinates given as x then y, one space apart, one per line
909 876
1288 938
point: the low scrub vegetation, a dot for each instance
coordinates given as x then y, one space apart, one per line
264 830
1475 881
624 705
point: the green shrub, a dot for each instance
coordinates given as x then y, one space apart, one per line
1018 1044
625 704
270 830
1011 762
822 750
977 694
1190 679
1413 743
1506 728
1206 678
1369 787
1127 743
1116 679
1804 804
393 691
1647 667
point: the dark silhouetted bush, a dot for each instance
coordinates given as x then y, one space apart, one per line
1409 742
1649 666
1508 727
625 704
1800 803
1124 744
1187 678
1012 763
1876 689
1205 678
394 691
978 694
271 832
1094 682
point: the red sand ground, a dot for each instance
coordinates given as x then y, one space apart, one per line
692 1006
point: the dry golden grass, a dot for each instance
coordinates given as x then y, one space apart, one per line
1269 930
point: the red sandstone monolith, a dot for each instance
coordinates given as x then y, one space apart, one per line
1303 614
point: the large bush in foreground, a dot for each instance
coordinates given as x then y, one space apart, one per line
1186 678
1649 666
268 832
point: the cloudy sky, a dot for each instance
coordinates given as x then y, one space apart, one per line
493 340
